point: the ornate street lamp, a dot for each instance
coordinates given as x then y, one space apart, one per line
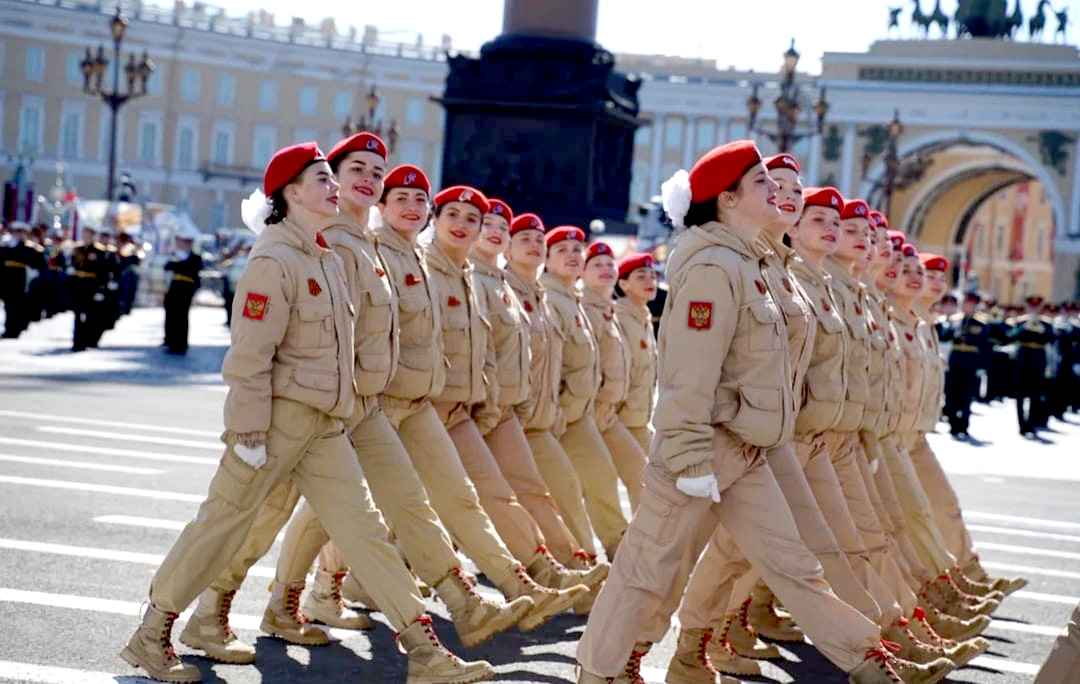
899 173
367 121
787 133
138 73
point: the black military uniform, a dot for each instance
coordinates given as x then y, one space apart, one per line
969 334
129 256
998 368
21 262
88 276
1031 332
184 267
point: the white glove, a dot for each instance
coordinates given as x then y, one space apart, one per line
253 456
702 487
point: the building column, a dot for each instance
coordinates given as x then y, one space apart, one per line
847 163
688 142
656 154
1073 227
813 162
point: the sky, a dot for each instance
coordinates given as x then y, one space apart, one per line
746 34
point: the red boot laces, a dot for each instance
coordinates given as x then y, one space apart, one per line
292 603
703 652
223 612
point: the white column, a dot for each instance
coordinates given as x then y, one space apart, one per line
657 152
688 143
847 162
813 164
1073 227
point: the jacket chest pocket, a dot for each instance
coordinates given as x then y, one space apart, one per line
455 325
315 324
375 309
764 331
507 317
416 319
831 323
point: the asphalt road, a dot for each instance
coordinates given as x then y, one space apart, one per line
104 455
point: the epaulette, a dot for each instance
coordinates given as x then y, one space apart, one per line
981 318
956 317
100 246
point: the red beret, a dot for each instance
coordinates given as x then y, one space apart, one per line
526 222
855 208
500 208
598 248
909 250
783 161
721 168
406 176
287 163
897 238
823 197
560 233
934 262
879 218
629 264
361 142
1033 300
463 193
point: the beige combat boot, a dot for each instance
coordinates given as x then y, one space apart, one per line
974 587
691 663
911 648
431 663
325 604
726 660
737 631
876 668
476 618
631 673
765 620
954 628
547 602
548 572
927 673
955 603
961 653
1005 585
208 629
150 648
283 619
949 589
354 592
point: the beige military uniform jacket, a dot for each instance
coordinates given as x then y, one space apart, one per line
873 416
935 367
821 397
470 357
794 305
373 296
580 377
857 368
614 358
907 326
509 333
421 369
540 410
636 325
292 330
724 360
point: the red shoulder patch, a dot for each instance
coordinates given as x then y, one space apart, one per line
255 306
379 272
788 286
644 344
411 279
825 304
858 309
313 287
909 336
761 287
453 301
527 305
700 317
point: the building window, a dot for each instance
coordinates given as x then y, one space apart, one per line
1000 239
263 146
35 63
1 56
412 152
305 134
148 142
639 182
268 95
154 83
414 112
71 126
342 104
667 171
189 84
309 100
219 215
673 128
73 69
185 148
223 143
706 134
226 89
643 136
30 124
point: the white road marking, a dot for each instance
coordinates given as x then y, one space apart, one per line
103 554
104 489
103 451
1031 570
1048 598
1003 665
1043 522
1030 550
59 462
46 674
154 523
656 675
128 437
1023 533
52 418
1007 626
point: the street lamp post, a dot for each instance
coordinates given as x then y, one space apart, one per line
137 72
367 122
899 173
787 133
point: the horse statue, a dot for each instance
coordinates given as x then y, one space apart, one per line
1063 21
894 18
941 19
1037 23
923 20
1015 21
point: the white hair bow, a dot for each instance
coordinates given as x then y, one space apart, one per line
255 210
675 197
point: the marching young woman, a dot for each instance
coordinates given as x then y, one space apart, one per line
724 398
290 376
580 382
425 363
513 359
638 281
472 388
599 280
541 413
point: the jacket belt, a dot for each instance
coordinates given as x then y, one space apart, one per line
84 274
183 278
15 264
965 348
1033 345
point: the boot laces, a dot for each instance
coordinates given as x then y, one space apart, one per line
292 603
469 582
633 666
165 638
885 659
336 581
529 582
224 607
744 619
703 651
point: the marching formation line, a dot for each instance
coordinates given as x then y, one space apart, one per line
104 451
1030 550
52 418
148 439
61 463
104 489
1060 524
1023 533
